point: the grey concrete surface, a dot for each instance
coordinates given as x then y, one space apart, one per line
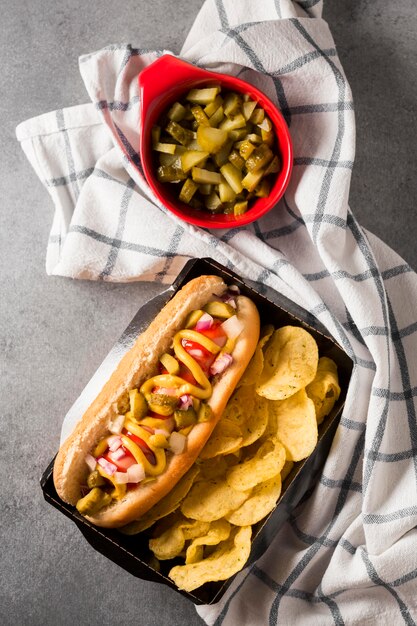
55 332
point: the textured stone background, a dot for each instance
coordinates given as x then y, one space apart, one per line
55 332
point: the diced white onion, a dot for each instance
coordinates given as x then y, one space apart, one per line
114 443
221 364
177 442
91 462
121 478
135 473
117 454
205 322
185 402
233 327
116 425
108 467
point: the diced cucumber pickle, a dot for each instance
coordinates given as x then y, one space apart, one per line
246 148
188 190
248 108
211 139
226 193
205 176
237 160
240 208
170 174
167 148
203 96
200 117
259 158
182 135
221 146
191 158
232 123
217 117
232 104
213 202
257 116
252 179
213 106
177 112
233 176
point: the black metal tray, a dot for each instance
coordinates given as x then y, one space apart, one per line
131 552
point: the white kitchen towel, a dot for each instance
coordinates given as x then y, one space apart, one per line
348 555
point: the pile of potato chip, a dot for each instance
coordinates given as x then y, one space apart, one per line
269 423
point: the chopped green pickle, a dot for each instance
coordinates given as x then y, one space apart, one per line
95 500
221 146
205 413
205 176
170 174
213 202
240 208
211 139
138 404
200 117
203 96
162 404
95 479
177 112
185 418
217 117
193 318
188 190
191 158
182 135
219 309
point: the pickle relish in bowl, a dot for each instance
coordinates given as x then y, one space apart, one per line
214 149
218 149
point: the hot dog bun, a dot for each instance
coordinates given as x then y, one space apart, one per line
139 364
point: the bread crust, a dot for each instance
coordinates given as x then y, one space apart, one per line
139 364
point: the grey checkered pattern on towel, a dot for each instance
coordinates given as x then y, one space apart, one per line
348 554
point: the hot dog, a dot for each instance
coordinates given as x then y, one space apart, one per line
154 415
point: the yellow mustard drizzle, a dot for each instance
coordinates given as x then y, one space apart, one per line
201 392
119 489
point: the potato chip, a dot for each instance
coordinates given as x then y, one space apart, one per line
256 423
296 425
266 463
291 359
261 502
324 390
266 333
219 531
227 559
240 405
171 542
212 468
225 438
164 507
212 499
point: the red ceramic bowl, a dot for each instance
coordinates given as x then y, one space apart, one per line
165 81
